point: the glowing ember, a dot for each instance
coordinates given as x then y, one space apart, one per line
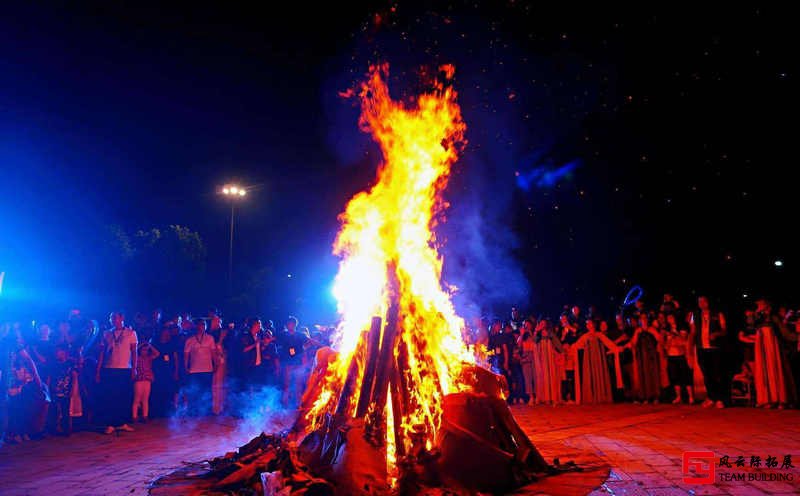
389 257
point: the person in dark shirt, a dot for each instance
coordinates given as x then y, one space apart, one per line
7 349
569 330
621 334
292 350
515 375
165 372
251 355
747 338
577 320
499 353
271 362
43 352
669 306
64 376
149 327
516 321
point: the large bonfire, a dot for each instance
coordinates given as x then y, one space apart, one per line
399 406
400 352
390 259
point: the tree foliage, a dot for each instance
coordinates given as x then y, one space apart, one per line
158 266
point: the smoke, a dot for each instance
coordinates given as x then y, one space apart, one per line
261 410
544 177
255 409
480 244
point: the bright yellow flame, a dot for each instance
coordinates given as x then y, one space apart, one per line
391 444
391 225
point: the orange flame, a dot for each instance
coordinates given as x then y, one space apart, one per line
389 227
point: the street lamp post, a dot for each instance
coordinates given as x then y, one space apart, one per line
235 193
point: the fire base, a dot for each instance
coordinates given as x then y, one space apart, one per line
481 449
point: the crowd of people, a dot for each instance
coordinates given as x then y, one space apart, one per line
646 355
152 367
73 375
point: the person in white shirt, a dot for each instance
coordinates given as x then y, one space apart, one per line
116 368
199 360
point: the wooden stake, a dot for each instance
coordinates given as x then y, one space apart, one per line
372 349
386 361
397 412
350 381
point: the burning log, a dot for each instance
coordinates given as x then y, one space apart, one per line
376 421
373 343
398 398
349 385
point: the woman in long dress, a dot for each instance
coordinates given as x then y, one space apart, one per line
773 375
646 346
548 368
592 380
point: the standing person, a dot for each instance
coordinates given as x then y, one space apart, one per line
592 380
548 364
292 344
517 380
569 330
615 369
747 340
7 347
219 382
143 381
65 336
150 327
63 383
669 306
793 354
773 374
116 369
90 339
199 355
569 335
622 333
481 335
516 321
646 349
43 352
29 400
165 372
577 320
251 355
527 349
708 331
270 356
677 347
498 350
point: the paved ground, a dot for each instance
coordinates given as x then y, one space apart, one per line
642 444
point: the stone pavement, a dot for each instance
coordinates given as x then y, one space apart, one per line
642 444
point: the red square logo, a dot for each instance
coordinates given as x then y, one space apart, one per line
703 464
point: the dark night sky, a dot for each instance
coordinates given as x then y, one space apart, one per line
677 123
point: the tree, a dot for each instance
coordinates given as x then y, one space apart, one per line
159 266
